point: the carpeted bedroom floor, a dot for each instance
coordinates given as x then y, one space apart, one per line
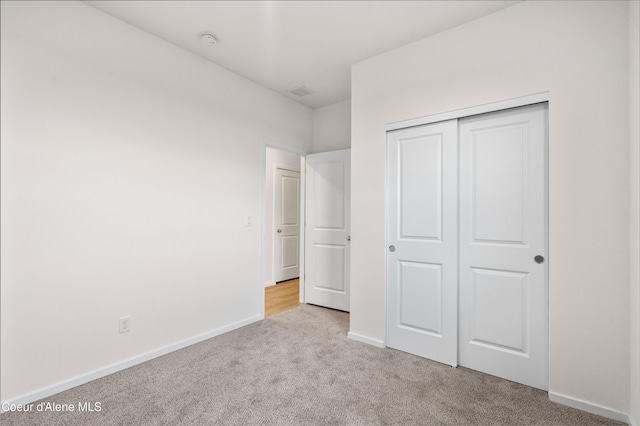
299 368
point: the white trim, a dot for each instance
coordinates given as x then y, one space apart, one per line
387 197
363 339
263 221
114 368
285 167
589 407
270 283
303 225
466 112
283 147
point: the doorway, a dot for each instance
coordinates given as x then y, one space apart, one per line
282 211
323 255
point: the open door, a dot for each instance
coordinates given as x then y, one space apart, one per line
327 230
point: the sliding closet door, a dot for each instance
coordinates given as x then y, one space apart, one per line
503 245
422 241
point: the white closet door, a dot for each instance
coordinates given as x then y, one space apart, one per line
503 241
422 241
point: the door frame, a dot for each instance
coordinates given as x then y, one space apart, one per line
466 112
459 114
263 213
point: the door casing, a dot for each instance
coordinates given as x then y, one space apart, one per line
263 216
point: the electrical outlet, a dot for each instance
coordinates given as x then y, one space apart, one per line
125 324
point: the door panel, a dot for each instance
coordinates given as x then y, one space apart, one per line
498 311
420 288
290 198
327 230
503 291
286 219
332 261
328 193
422 232
420 204
290 246
497 167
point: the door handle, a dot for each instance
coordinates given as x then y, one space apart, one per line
279 231
539 259
392 248
348 237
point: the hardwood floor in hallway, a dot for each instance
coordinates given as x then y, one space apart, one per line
281 297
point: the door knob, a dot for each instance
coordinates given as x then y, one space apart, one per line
392 248
349 238
539 259
279 231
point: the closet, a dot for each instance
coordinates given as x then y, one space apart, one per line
467 242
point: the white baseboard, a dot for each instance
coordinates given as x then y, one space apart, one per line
363 339
589 407
113 368
270 283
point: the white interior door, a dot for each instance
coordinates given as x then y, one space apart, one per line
503 245
422 237
327 230
286 219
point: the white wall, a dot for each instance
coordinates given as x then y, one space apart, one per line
634 133
274 157
332 127
129 167
578 52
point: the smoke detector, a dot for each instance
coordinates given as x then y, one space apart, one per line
208 39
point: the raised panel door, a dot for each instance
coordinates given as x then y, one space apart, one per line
287 224
503 211
327 229
422 241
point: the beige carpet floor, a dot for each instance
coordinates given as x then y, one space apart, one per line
299 368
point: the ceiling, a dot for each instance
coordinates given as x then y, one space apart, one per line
286 44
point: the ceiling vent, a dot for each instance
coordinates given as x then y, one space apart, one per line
300 91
